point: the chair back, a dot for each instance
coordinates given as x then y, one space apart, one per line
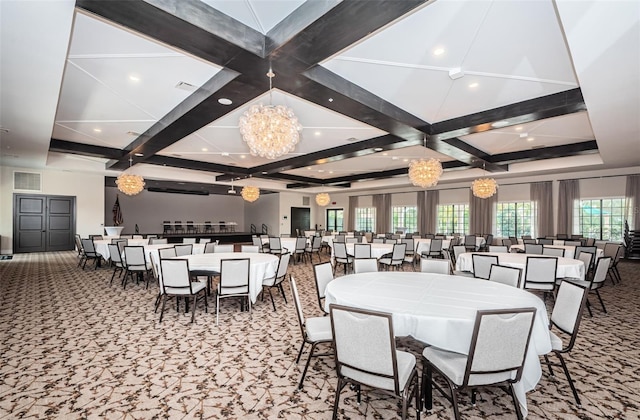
610 249
156 241
545 241
134 257
436 266
283 264
507 243
155 269
234 276
316 243
323 274
365 265
567 310
510 276
210 247
274 244
457 250
365 347
410 245
223 248
89 247
175 276
572 243
167 253
470 241
498 248
533 249
554 252
377 240
255 240
587 259
362 251
436 245
352 239
296 301
204 240
188 240
340 238
250 248
499 346
482 265
540 273
397 257
340 250
301 244
115 255
591 250
183 249
529 241
591 241
600 272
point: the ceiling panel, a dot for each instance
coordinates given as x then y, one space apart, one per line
261 15
115 134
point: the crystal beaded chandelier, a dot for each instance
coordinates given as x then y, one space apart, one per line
484 187
130 184
425 172
323 199
270 131
250 194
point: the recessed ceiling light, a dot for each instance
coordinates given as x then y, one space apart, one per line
264 172
385 154
138 154
242 156
499 124
321 170
438 51
308 168
330 172
473 85
330 99
134 78
518 128
531 138
378 149
97 130
204 149
523 135
225 101
394 158
405 160
317 133
224 154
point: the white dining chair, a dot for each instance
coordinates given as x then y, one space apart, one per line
435 266
365 265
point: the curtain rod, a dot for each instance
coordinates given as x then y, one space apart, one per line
500 185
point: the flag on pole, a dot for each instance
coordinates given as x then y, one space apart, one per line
117 213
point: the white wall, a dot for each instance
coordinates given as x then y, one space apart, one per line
265 210
87 188
149 209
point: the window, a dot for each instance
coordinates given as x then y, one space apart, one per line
453 218
515 219
335 219
600 218
405 218
365 218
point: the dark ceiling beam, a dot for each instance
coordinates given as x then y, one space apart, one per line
63 146
562 103
565 150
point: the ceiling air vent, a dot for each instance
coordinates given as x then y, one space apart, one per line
186 86
305 201
28 181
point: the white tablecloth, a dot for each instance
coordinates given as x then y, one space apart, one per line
153 249
103 249
569 251
377 250
261 266
421 245
440 310
567 267
329 239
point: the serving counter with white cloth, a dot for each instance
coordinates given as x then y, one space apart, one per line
102 248
569 250
440 310
567 267
377 250
261 266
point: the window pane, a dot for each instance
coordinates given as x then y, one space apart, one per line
515 219
365 218
453 218
404 218
600 218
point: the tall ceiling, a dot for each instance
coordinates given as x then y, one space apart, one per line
509 88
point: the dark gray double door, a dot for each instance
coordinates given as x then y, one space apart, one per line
43 223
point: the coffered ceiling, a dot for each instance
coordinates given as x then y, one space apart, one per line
510 88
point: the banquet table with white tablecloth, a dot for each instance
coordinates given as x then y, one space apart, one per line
569 250
440 310
102 247
567 267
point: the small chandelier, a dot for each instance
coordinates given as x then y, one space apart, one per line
250 194
270 131
425 172
130 184
323 199
484 187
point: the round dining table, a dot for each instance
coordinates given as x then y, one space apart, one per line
440 310
567 267
377 250
102 248
261 266
569 250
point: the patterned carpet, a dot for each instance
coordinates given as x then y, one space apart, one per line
74 347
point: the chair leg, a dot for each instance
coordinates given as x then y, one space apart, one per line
158 299
427 387
548 363
589 308
300 352
162 310
515 401
601 302
283 295
454 401
306 366
566 372
273 303
341 384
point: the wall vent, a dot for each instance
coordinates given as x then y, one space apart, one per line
305 201
27 181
